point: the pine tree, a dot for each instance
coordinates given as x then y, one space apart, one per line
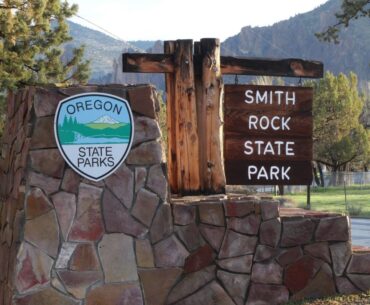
351 10
339 136
31 35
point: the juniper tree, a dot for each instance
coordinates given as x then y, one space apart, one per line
31 37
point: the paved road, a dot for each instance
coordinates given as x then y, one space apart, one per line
360 232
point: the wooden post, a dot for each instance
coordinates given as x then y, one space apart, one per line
211 118
187 147
169 48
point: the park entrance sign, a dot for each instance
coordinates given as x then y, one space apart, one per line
268 134
94 133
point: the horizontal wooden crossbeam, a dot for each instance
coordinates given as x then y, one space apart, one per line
164 63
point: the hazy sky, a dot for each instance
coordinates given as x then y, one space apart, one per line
193 19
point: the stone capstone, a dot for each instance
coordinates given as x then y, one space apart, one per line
239 209
269 210
297 232
333 229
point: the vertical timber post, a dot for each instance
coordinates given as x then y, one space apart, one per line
169 48
187 146
211 118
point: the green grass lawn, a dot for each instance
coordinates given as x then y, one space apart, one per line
358 299
332 199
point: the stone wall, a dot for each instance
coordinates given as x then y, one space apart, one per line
69 241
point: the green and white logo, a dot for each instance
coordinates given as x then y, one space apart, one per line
94 133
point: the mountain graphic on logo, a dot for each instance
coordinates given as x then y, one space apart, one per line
105 119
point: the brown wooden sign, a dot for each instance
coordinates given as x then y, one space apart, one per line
268 135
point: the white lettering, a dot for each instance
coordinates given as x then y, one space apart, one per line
289 151
252 170
290 99
253 119
261 98
248 148
249 95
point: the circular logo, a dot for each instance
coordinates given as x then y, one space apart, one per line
94 133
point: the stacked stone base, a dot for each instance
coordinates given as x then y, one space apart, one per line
69 241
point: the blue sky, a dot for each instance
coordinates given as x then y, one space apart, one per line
91 115
190 19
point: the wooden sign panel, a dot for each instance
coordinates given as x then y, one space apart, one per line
268 135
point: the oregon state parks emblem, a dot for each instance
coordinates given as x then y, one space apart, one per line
94 133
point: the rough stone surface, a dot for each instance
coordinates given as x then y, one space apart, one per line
145 206
333 229
345 286
322 285
201 258
146 129
362 281
140 178
360 263
235 284
162 224
289 256
148 153
118 219
264 253
71 181
270 232
270 273
65 207
263 294
191 283
297 232
43 134
84 258
212 214
48 162
170 253
236 244
319 250
156 291
213 235
157 182
37 204
247 225
239 209
269 210
45 297
88 224
117 256
183 214
77 282
300 273
47 184
65 255
190 236
33 268
242 264
43 232
340 253
213 293
144 253
115 294
121 183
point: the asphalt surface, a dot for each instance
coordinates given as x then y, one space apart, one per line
360 232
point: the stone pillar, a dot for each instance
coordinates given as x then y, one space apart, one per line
65 239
